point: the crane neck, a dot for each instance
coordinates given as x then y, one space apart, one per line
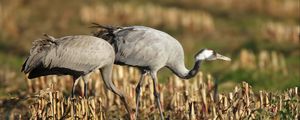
193 71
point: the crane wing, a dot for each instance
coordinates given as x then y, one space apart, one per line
79 53
138 45
127 40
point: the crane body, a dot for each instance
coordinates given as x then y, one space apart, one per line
73 55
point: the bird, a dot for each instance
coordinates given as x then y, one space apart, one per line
76 55
150 50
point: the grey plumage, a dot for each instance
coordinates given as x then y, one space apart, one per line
80 54
72 55
150 50
147 47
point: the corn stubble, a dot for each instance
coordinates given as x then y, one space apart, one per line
195 99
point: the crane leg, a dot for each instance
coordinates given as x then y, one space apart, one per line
156 94
138 92
106 73
85 79
75 82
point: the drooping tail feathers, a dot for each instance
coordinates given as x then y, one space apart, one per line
24 65
105 32
38 46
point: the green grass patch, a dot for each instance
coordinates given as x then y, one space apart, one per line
263 80
11 61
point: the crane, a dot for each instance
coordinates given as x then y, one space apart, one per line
77 56
150 50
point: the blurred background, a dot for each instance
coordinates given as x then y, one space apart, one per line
261 36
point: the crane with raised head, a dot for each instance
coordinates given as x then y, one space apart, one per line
73 55
150 50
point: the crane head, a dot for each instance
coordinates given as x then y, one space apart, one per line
207 54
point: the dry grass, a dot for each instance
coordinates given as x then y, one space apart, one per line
279 32
153 15
48 97
264 61
275 8
195 99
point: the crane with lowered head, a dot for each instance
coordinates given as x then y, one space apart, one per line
150 50
77 56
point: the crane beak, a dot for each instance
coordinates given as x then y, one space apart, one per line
221 57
